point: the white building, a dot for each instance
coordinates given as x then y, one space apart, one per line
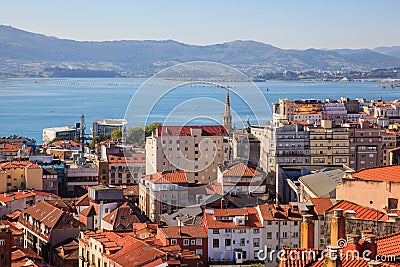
63 132
234 235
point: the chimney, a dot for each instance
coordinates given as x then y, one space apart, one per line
338 226
350 214
332 257
392 217
370 244
307 232
222 203
374 264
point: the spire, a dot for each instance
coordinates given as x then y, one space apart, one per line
227 120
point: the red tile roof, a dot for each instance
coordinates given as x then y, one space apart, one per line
361 212
211 130
189 231
271 212
389 244
65 144
133 158
6 147
241 170
253 220
19 164
321 204
7 197
174 177
124 217
387 173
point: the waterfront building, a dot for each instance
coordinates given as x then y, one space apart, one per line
106 127
62 133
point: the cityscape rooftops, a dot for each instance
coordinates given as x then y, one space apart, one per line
207 130
19 164
174 177
241 170
191 231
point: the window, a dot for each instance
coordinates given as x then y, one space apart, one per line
256 242
256 231
242 242
193 242
269 235
173 241
199 241
51 184
242 231
269 223
215 243
284 234
186 242
215 231
227 242
2 242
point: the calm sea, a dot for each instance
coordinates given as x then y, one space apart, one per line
29 105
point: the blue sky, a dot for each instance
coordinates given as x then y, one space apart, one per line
283 23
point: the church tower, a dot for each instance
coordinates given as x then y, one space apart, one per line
227 120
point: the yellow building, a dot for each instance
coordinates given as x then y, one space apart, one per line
329 145
20 175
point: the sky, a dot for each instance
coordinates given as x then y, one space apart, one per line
294 24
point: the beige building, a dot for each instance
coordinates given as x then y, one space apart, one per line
20 175
377 188
196 149
163 193
329 145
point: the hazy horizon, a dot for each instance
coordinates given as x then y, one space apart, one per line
288 24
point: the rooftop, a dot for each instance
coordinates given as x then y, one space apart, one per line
209 130
387 173
174 177
241 170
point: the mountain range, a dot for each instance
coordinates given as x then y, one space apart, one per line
31 52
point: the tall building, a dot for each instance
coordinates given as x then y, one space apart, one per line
196 149
227 120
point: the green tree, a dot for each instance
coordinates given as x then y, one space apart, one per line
151 127
116 134
97 140
135 135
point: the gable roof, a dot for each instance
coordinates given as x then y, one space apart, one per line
361 212
252 221
389 244
174 177
241 170
387 173
124 216
207 130
321 204
19 164
187 231
323 183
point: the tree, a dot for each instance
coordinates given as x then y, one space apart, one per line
97 140
135 135
151 127
116 134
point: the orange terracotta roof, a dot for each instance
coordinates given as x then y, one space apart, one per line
133 158
124 217
174 177
82 200
189 231
321 204
19 164
387 173
361 212
6 147
253 220
65 144
241 170
212 130
389 244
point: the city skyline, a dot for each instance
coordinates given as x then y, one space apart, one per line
286 24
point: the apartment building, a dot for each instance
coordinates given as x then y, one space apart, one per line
234 235
126 169
45 226
369 146
284 145
329 145
20 175
196 149
163 192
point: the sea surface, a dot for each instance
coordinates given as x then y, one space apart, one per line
29 105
